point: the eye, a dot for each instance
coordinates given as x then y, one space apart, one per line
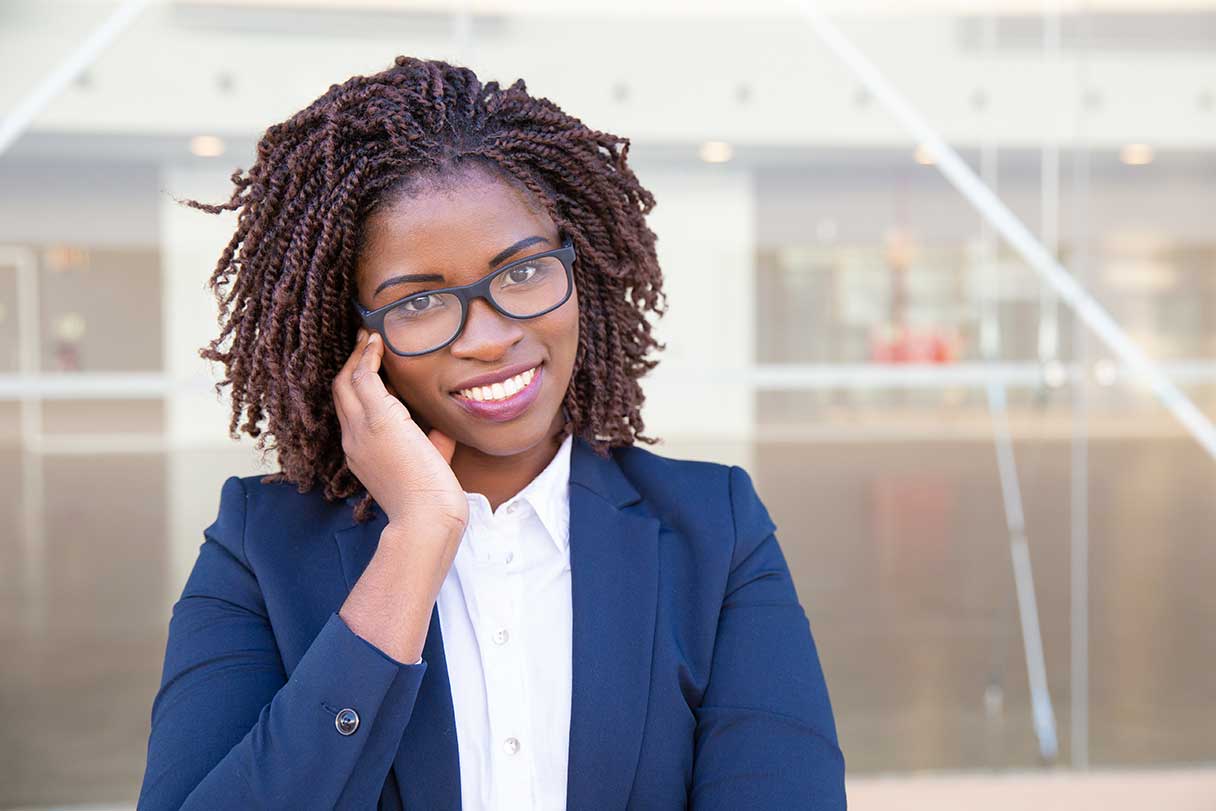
421 304
519 275
418 307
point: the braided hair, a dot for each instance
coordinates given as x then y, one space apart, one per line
285 279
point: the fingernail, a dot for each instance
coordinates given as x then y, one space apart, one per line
373 337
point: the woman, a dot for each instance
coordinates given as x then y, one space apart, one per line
466 587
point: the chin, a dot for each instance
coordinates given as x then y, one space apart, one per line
509 440
506 438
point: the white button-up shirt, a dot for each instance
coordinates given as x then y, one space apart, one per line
505 615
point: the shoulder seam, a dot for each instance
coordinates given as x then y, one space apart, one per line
734 518
244 523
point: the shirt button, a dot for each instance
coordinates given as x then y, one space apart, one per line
501 636
347 721
510 745
511 507
510 557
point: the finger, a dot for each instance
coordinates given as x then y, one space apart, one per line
394 394
365 380
443 443
340 410
367 360
345 399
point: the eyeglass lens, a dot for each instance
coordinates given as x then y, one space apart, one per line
427 321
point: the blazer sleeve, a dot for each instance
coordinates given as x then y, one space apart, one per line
230 730
765 736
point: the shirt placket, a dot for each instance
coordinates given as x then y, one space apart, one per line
501 640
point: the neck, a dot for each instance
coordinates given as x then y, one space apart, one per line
499 478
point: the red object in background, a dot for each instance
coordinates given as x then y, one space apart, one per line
67 356
903 345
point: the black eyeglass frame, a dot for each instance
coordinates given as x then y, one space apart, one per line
480 289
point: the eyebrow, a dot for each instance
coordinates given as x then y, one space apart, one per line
435 277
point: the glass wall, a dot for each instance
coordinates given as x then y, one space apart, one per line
997 527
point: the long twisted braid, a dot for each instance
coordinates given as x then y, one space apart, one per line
285 277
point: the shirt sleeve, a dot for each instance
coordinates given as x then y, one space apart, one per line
765 735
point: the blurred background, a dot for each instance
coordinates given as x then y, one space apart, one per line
1001 533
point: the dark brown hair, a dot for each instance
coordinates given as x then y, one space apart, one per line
364 144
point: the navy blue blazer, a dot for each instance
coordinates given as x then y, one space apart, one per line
695 679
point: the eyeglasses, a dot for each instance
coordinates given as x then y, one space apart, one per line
428 321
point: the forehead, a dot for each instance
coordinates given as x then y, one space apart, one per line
452 227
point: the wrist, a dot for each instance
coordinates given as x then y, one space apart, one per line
428 528
437 530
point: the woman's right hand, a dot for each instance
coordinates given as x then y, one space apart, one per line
407 472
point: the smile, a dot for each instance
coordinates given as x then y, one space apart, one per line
504 400
503 390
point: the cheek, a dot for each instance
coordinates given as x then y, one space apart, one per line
408 379
568 337
564 348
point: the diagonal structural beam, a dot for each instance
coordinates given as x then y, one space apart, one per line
998 215
20 117
1023 578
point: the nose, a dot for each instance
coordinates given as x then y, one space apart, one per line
487 335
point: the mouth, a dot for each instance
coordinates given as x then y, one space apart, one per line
504 400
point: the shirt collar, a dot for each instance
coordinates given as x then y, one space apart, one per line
548 495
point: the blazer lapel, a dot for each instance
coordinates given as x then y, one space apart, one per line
614 568
427 764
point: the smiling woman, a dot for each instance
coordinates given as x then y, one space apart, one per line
382 179
439 306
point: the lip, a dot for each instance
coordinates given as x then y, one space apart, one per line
508 409
494 377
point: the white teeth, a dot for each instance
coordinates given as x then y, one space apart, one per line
502 390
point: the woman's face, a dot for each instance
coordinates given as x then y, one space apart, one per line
460 231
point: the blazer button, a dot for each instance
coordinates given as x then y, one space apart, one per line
347 721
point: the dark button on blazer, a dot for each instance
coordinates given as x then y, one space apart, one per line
695 681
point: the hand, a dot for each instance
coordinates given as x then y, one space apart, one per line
407 472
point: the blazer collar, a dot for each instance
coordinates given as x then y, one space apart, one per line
614 577
601 475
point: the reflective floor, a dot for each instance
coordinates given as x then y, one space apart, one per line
903 565
899 551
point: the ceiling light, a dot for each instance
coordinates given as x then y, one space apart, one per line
923 156
716 152
70 327
206 146
1136 154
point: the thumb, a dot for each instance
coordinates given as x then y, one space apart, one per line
443 443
